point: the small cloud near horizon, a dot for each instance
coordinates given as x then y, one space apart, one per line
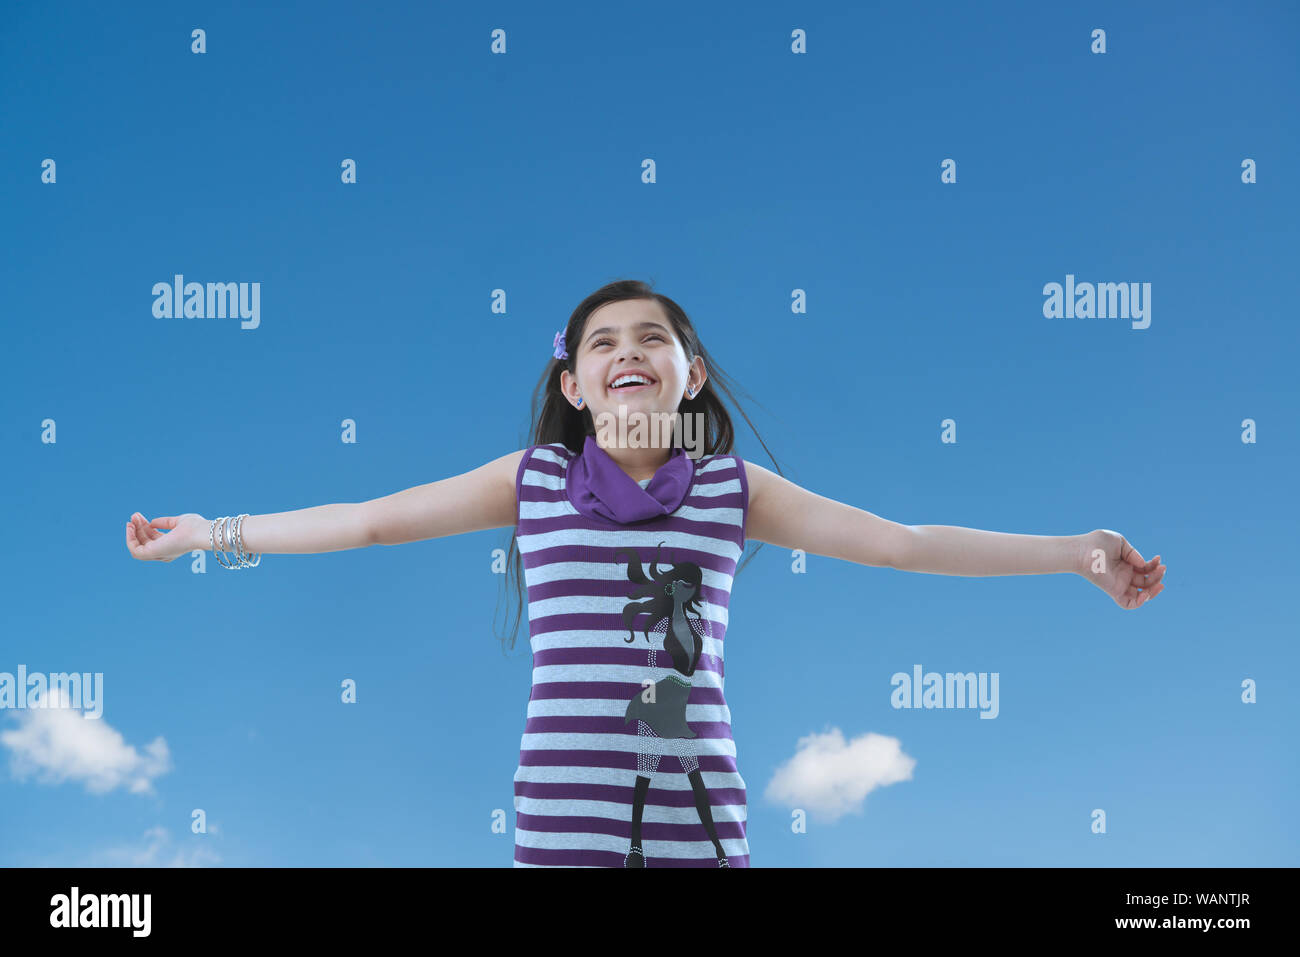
831 777
57 744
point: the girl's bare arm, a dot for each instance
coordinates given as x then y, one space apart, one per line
479 499
788 516
469 502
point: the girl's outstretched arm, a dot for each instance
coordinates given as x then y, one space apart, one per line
475 500
789 516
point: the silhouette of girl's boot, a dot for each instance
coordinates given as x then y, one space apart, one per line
706 813
635 857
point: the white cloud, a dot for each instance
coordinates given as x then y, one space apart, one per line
155 850
57 744
831 777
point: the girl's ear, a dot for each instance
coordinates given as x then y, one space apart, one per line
698 374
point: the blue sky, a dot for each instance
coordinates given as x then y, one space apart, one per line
775 172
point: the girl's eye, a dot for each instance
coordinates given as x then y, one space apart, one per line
653 335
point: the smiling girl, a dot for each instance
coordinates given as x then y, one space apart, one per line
628 553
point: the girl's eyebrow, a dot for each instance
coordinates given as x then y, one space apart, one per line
647 324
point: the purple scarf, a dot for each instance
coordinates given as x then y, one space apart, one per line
598 488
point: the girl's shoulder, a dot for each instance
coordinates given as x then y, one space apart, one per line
551 458
724 471
551 451
720 462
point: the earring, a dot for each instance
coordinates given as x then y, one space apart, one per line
580 402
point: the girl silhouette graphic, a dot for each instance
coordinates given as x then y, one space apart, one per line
671 605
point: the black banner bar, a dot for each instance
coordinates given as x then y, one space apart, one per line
1151 905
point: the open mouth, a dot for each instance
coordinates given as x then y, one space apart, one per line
632 382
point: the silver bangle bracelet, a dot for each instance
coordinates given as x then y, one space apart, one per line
212 537
220 551
243 556
231 539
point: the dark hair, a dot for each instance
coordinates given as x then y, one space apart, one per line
657 590
558 421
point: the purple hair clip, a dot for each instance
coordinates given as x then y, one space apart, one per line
560 351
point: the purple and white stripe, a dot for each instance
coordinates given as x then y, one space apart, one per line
577 757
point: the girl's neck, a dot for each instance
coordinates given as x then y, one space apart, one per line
639 464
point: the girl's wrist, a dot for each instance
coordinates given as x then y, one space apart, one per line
201 536
1083 547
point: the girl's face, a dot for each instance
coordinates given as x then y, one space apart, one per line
682 590
622 338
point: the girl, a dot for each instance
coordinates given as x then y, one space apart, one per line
616 531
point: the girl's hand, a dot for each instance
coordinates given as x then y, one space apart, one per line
150 545
1118 569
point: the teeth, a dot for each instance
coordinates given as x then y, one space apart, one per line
629 379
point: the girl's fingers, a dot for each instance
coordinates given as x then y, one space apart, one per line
1135 558
139 535
1151 578
146 531
133 541
1148 594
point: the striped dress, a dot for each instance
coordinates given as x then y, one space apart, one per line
627 717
